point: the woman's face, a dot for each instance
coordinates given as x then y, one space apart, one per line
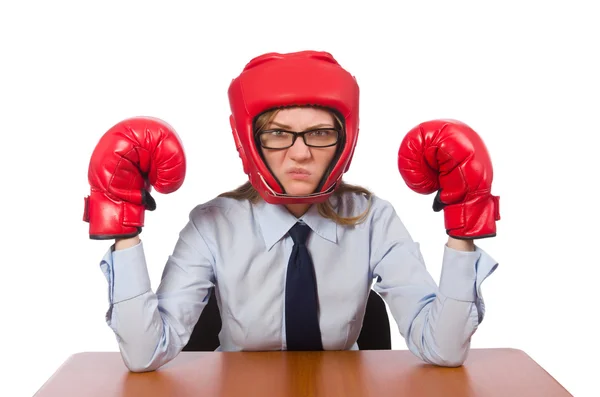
299 168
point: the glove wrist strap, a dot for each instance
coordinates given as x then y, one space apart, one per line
112 218
475 217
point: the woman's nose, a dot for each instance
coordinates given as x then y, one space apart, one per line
299 150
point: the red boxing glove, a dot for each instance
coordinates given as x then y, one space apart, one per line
129 159
447 156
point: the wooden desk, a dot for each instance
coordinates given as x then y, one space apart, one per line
487 372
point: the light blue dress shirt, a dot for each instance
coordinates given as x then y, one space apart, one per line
242 249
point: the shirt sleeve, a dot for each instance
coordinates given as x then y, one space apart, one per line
436 322
152 328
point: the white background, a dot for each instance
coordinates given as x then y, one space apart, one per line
523 74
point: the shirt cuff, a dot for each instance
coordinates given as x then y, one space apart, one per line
126 273
463 272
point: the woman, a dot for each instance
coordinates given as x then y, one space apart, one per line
293 253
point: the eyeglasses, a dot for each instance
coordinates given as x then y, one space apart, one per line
282 139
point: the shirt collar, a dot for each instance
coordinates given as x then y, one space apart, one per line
275 221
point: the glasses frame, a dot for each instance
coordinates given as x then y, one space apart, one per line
295 136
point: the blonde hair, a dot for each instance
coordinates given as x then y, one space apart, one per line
325 209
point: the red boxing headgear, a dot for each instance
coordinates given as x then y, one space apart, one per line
305 78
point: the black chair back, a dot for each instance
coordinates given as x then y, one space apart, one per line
374 335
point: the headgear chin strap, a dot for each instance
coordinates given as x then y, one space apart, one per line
305 78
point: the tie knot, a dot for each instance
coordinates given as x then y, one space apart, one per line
299 232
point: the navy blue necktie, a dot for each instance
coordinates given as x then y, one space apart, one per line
301 300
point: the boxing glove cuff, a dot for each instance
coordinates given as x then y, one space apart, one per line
110 218
474 218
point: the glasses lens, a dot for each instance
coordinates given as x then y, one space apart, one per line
276 139
323 137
